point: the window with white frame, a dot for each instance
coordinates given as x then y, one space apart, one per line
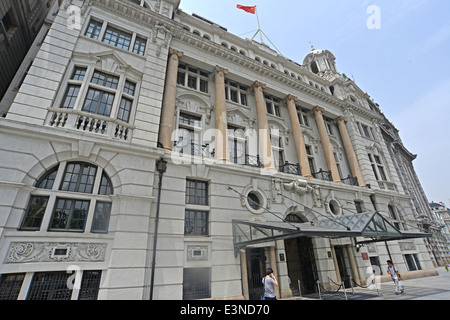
273 105
79 195
365 131
303 116
277 148
236 92
104 94
188 134
125 40
237 144
377 167
311 161
193 78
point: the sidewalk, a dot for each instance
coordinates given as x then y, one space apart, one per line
428 288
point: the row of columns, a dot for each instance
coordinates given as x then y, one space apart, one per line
265 146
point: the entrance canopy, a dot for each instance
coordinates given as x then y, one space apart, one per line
372 226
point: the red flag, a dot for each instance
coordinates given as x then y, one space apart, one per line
251 10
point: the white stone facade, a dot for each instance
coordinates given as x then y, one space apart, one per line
50 127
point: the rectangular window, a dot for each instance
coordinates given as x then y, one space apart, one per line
125 110
105 80
50 286
102 213
196 283
35 213
139 46
117 38
129 88
79 73
196 223
197 192
79 177
377 167
93 31
273 105
69 215
237 144
193 78
90 284
71 96
10 285
99 102
359 206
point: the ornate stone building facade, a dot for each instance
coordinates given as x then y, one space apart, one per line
261 153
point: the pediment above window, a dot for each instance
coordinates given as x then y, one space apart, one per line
108 61
194 104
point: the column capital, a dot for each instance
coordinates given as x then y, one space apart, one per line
258 86
340 119
220 71
317 109
290 97
173 52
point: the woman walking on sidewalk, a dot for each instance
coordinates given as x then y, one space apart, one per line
395 275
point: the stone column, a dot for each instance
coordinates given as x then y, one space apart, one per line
265 146
244 274
353 264
221 115
302 156
349 151
273 265
326 145
169 100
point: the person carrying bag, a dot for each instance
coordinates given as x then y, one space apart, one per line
395 275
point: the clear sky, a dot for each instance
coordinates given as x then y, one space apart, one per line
402 61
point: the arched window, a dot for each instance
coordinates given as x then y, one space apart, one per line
77 198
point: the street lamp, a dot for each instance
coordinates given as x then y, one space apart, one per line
161 167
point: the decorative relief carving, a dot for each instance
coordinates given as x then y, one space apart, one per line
24 252
197 253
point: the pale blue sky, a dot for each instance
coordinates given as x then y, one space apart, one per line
404 65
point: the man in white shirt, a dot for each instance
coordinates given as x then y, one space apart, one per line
392 270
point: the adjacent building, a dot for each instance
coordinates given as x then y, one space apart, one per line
21 23
149 153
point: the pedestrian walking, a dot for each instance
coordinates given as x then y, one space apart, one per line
395 275
269 284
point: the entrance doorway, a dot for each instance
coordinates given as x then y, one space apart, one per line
344 270
255 267
301 265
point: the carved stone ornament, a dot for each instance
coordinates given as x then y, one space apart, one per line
25 252
300 186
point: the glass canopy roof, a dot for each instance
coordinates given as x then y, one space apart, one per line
371 226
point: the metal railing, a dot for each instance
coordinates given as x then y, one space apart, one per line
291 168
351 181
323 175
253 161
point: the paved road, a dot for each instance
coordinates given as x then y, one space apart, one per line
429 288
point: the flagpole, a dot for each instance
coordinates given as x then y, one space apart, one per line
259 26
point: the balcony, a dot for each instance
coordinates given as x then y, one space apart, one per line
89 122
253 161
323 175
291 168
386 185
351 181
194 149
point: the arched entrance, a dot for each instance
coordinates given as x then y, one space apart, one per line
301 261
